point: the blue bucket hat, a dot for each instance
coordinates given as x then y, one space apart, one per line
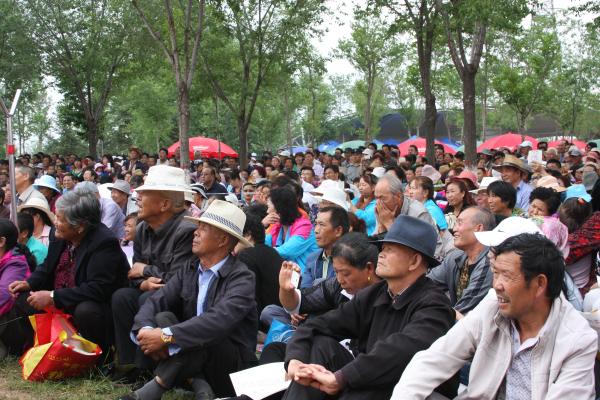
577 191
46 181
416 234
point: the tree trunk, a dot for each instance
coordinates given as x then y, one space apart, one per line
470 124
183 101
429 127
243 137
368 115
92 128
288 121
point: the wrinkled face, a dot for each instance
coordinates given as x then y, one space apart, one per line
538 208
21 180
118 197
130 226
482 199
64 230
464 228
385 197
416 192
325 233
515 296
206 239
150 204
511 175
454 195
351 278
496 205
393 261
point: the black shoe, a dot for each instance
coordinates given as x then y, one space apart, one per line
202 390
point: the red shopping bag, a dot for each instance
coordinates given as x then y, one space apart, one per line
58 351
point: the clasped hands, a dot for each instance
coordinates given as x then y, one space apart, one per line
313 375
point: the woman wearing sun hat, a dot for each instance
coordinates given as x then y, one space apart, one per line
46 184
43 219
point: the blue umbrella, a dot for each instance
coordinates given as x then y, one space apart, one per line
299 149
328 145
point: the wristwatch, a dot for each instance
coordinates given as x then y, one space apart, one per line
167 339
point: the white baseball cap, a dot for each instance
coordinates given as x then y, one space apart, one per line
511 226
526 143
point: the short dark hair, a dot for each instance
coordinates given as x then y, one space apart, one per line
312 171
506 192
573 213
355 248
549 196
538 256
25 223
334 168
554 161
255 228
337 217
293 175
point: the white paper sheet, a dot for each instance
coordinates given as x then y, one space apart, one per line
260 382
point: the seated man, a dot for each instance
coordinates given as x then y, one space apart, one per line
465 273
389 321
525 339
203 322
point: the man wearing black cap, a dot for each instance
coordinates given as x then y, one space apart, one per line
388 323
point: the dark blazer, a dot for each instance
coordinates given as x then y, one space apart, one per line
229 311
100 269
265 262
388 332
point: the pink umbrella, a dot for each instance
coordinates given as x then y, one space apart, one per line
579 143
509 140
207 147
422 146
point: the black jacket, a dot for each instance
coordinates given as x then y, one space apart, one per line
100 269
230 309
389 332
265 262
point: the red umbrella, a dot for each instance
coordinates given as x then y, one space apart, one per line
509 140
421 144
208 148
579 143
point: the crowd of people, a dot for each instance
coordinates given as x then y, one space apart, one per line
398 277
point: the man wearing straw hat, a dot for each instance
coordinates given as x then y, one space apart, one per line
514 171
203 322
163 244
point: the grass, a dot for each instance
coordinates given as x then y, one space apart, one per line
91 386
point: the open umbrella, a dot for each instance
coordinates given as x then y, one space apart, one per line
208 148
328 145
462 146
421 144
353 144
579 143
509 140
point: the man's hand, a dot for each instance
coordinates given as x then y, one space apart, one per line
150 341
324 380
137 270
297 318
385 217
459 316
299 372
152 283
40 299
18 286
285 275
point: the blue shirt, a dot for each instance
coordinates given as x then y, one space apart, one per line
436 214
523 192
39 251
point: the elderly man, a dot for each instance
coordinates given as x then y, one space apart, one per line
203 322
24 179
525 339
162 245
514 171
465 273
391 203
120 193
209 180
389 322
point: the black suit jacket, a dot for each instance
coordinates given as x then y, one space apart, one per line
100 269
229 313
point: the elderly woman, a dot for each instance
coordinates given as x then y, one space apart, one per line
84 267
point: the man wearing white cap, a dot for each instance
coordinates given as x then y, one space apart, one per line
162 245
525 340
525 148
203 321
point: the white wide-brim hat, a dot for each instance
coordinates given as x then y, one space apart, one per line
225 216
163 177
509 227
38 204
